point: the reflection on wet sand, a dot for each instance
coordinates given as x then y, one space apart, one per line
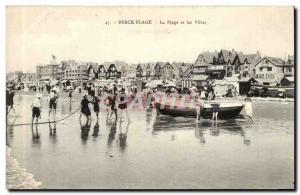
123 136
199 133
85 129
96 129
35 135
165 123
52 132
230 126
112 132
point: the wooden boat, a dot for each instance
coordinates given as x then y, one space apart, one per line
228 109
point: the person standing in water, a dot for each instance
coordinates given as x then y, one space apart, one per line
53 98
112 103
10 100
215 111
198 109
85 108
96 106
70 95
248 109
122 107
36 108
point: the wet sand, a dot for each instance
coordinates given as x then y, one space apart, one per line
157 152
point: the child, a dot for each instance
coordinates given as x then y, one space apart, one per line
36 108
215 110
70 95
53 98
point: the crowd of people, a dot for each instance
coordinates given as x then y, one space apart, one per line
114 97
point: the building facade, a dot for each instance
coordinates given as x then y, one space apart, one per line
76 72
51 71
270 70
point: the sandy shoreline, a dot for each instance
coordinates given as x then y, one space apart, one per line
16 176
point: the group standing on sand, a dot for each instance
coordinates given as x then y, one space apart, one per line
116 102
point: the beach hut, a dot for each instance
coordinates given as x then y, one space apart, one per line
245 84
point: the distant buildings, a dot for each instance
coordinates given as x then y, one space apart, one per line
208 65
107 70
270 70
76 71
14 76
51 71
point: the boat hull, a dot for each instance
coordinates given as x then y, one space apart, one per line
226 112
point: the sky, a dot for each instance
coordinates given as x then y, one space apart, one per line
34 34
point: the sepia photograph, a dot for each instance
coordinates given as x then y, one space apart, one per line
150 98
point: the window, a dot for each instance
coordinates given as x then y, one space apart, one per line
260 68
269 68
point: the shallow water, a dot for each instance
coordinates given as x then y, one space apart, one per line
156 152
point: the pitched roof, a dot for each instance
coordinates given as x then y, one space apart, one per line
276 61
250 58
93 65
229 55
177 64
119 64
167 63
206 57
185 67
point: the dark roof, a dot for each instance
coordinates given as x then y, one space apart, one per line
229 55
166 63
186 66
93 65
276 61
249 58
177 64
206 57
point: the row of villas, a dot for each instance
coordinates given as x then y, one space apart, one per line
142 71
215 65
79 71
228 64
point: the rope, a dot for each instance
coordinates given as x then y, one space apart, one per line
45 122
